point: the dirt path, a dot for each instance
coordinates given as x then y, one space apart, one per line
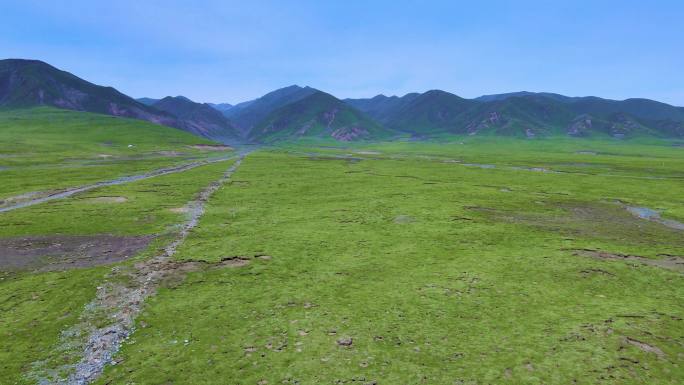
21 203
120 299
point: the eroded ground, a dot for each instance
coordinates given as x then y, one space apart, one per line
49 253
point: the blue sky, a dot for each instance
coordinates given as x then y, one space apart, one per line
230 51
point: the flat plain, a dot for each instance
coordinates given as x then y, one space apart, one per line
476 260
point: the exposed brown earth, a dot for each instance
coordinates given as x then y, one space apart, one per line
670 262
108 199
51 253
212 147
648 348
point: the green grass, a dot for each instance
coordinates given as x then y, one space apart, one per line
36 307
42 305
150 207
441 273
34 310
447 262
43 149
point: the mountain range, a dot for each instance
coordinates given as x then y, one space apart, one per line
295 112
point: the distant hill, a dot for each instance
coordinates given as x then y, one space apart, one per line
499 97
526 115
221 107
430 112
197 118
382 108
25 83
319 115
301 112
147 101
249 114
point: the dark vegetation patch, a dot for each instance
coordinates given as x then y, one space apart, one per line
591 220
52 253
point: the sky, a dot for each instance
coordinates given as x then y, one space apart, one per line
232 51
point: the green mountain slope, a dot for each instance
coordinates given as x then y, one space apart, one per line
249 114
517 116
524 114
381 107
319 115
431 112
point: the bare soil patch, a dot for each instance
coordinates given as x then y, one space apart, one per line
50 253
21 198
403 219
670 262
170 153
648 348
179 210
594 220
212 147
108 199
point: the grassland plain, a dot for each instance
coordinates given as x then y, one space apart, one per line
410 263
36 306
46 149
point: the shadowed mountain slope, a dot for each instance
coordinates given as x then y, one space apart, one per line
26 83
197 118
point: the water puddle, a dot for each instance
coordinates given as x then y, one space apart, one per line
654 216
486 166
535 169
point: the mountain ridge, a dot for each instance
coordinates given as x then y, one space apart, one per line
26 83
247 115
296 112
527 114
318 115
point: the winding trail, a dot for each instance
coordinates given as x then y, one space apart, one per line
122 180
120 299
